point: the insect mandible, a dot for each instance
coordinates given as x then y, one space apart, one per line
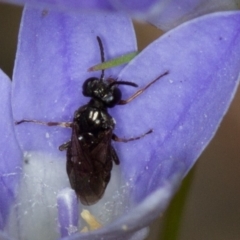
90 155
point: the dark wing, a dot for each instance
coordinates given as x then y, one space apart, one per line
89 171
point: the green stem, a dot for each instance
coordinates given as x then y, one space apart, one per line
173 216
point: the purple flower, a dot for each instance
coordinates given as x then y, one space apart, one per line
184 110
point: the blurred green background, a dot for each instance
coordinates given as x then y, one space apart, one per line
212 209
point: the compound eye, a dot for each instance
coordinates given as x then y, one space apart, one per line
116 97
88 86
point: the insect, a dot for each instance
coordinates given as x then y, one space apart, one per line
90 155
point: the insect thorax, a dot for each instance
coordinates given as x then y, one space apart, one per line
93 119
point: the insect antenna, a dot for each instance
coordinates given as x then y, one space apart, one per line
102 55
123 83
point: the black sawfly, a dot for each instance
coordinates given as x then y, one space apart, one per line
90 155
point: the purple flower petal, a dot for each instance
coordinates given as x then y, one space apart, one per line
35 213
10 156
4 236
185 107
55 50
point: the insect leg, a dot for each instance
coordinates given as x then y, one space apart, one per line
117 139
140 91
60 124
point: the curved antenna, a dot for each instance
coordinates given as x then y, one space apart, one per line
123 83
102 55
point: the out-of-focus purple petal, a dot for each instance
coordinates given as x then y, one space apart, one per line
135 6
164 14
169 14
10 155
54 52
185 107
73 5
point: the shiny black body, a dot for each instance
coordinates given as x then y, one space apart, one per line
90 155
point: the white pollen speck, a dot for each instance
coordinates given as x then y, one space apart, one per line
90 114
47 135
124 227
72 229
95 115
